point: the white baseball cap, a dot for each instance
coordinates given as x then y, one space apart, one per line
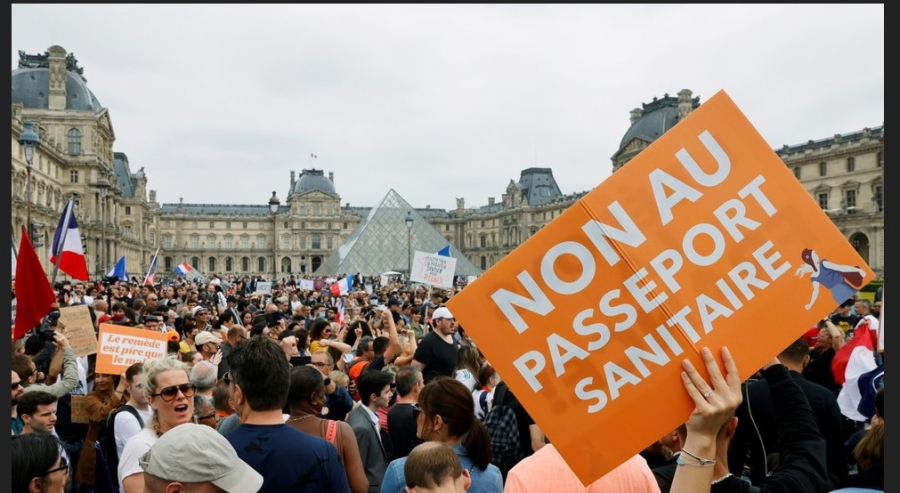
193 453
442 312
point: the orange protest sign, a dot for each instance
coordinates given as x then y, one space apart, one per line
120 347
705 239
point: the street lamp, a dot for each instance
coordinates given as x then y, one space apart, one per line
409 223
102 185
274 203
29 141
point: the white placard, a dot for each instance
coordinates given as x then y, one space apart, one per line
433 269
264 287
307 284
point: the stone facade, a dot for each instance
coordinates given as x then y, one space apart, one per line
77 138
845 173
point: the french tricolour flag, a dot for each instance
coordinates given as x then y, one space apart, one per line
66 251
854 367
183 269
342 287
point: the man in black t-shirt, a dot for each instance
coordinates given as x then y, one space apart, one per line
436 354
400 418
843 319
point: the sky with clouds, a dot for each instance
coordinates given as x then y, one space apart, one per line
220 103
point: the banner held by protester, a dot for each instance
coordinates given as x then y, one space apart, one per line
684 247
120 347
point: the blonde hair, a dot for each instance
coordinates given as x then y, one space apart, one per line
340 378
153 368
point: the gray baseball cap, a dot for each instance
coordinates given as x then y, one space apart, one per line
192 453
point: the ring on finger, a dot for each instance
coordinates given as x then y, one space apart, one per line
706 395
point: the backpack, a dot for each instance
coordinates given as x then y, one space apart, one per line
354 378
503 428
106 438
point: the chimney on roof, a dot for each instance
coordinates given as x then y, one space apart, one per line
331 177
292 180
57 59
490 200
635 115
685 104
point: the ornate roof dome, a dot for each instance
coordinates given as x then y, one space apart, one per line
659 116
313 179
31 82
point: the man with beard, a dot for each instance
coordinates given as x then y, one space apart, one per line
17 391
436 354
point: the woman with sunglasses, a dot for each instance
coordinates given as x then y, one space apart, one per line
37 465
98 404
170 393
444 414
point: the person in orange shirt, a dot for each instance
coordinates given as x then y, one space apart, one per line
546 470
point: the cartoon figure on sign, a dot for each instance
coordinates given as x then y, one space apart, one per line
843 280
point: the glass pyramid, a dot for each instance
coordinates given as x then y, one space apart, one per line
379 243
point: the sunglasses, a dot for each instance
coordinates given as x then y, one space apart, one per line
319 364
169 394
16 385
63 466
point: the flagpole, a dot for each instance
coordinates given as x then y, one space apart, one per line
62 239
151 266
15 250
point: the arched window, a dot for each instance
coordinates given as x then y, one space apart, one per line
229 264
74 140
245 264
167 262
195 262
483 262
212 264
261 264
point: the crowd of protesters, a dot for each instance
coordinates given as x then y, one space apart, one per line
381 390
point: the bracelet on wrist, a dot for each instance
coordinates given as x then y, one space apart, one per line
700 461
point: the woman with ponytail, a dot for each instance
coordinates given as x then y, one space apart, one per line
444 414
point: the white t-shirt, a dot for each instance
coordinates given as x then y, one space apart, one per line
466 377
126 426
136 447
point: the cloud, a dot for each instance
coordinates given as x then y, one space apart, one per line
220 103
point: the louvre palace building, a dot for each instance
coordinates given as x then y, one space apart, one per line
304 224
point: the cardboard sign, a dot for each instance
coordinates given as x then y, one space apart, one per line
691 244
433 269
79 410
307 284
264 287
79 329
120 347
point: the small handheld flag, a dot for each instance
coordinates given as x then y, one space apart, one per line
183 268
151 274
119 271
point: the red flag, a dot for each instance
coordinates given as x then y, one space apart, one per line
34 295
